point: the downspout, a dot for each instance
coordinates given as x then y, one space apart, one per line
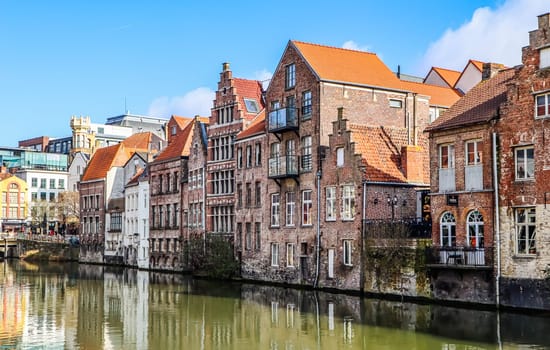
497 221
318 238
362 243
203 218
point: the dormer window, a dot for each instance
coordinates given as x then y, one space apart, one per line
251 105
290 76
544 60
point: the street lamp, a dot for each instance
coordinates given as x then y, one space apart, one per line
392 202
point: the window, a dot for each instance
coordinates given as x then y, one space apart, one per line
306 105
174 130
290 76
347 246
542 108
396 103
52 197
42 183
116 222
434 113
34 182
348 202
525 231
475 237
330 194
340 157
239 195
306 153
289 255
61 184
525 164
290 208
258 153
544 57
34 196
474 152
239 157
248 236
248 156
257 235
239 235
251 105
275 210
448 230
258 193
248 195
274 254
447 156
306 207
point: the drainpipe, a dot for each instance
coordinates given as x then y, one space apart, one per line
318 239
497 220
362 243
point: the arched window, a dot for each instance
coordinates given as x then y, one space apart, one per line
475 229
448 230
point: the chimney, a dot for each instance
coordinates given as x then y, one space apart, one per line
225 66
490 70
412 163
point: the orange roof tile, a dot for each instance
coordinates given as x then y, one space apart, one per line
478 105
439 95
256 127
181 121
343 65
251 89
181 143
477 64
139 141
448 75
135 178
101 162
380 149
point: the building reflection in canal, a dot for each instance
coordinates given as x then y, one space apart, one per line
92 307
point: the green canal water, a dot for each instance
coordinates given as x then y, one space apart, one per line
71 306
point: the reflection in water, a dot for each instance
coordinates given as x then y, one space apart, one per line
95 307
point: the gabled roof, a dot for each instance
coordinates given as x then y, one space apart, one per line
139 141
449 76
478 105
477 64
181 143
365 68
380 149
343 65
181 121
256 127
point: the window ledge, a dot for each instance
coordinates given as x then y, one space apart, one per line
525 256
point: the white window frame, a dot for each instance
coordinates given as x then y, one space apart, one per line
307 207
529 167
450 157
476 151
542 101
290 76
347 250
275 209
447 230
290 254
307 155
475 230
544 58
528 224
290 208
330 206
340 157
275 254
348 202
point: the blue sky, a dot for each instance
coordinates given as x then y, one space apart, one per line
98 58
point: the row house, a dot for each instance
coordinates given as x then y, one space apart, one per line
461 82
309 85
102 201
237 103
13 202
490 185
136 225
167 172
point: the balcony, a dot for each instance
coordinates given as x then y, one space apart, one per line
283 167
459 257
283 119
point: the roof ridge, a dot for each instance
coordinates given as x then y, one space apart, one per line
245 79
333 47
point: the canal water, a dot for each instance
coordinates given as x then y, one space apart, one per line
71 306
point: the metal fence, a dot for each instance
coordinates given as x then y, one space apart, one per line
397 229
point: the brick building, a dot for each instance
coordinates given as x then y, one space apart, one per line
166 173
237 103
310 83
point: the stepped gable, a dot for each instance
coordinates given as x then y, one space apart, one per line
252 89
478 105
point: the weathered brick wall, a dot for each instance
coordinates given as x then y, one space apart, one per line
53 251
474 286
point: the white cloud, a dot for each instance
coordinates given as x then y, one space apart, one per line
263 76
195 102
491 35
352 45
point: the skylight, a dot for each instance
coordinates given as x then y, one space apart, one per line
251 105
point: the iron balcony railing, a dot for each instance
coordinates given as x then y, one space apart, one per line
283 119
459 256
283 166
399 228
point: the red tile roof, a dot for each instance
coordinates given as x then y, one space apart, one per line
478 105
256 127
181 121
448 75
139 141
135 178
365 68
251 89
477 64
380 149
181 143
